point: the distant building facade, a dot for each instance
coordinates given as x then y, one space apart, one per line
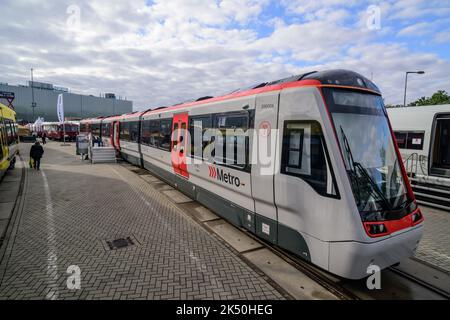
76 106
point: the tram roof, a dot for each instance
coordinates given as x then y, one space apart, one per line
336 77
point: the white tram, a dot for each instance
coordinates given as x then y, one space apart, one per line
307 163
423 137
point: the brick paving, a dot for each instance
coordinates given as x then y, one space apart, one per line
84 205
435 245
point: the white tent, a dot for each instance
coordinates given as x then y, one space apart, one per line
37 125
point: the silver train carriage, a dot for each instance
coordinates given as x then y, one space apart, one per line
308 163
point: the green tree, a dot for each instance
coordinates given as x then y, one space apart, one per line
439 97
393 105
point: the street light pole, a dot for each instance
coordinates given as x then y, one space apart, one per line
406 83
33 104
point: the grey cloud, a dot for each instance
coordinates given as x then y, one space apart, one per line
123 47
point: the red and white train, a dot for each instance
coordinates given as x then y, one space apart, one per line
329 185
57 131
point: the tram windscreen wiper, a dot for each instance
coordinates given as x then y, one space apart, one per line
374 186
404 203
356 167
352 170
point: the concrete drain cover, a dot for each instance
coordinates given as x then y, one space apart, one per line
120 243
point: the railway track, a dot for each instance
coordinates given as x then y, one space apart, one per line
420 282
342 288
346 289
327 281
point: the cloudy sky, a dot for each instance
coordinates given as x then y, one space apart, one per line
167 51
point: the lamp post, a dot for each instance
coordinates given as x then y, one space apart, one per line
33 103
406 83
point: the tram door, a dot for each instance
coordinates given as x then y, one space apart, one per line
179 144
441 150
116 135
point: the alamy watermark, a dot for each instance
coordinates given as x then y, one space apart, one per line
73 21
374 280
74 280
231 146
373 21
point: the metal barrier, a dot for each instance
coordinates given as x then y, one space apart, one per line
415 162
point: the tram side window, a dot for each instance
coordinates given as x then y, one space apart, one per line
10 132
125 131
106 129
134 131
145 132
2 139
295 150
73 128
13 137
304 155
166 134
415 140
400 137
157 133
96 129
16 131
199 143
154 133
233 140
85 128
150 133
412 140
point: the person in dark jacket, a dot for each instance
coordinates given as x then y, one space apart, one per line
36 153
44 137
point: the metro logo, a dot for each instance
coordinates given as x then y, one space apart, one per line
218 174
212 172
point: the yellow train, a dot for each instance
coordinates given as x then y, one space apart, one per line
9 139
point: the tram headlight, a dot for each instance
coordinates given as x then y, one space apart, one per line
417 217
376 229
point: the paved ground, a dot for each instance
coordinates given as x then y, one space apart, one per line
435 245
70 211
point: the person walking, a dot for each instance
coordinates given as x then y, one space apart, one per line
44 137
36 153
